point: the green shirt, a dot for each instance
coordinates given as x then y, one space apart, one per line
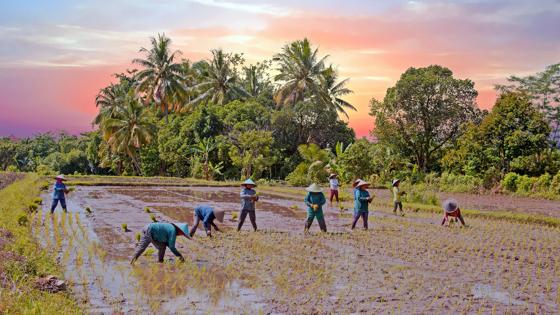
165 233
315 199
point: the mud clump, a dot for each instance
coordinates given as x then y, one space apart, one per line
50 284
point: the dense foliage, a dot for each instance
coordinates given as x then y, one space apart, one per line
224 119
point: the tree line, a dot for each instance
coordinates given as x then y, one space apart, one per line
221 118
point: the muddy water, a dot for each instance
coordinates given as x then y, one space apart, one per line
95 252
401 264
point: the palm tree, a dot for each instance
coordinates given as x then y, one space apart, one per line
218 79
332 91
256 81
129 129
161 79
204 148
300 72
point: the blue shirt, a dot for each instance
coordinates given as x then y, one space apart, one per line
206 214
315 199
165 233
58 190
247 202
361 200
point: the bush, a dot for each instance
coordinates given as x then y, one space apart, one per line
510 182
299 176
459 183
525 184
12 168
555 184
44 170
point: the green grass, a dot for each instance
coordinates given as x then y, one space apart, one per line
33 262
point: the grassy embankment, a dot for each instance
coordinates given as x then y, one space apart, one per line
22 260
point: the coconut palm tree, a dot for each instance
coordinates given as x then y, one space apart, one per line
300 70
218 79
161 77
129 129
255 80
333 90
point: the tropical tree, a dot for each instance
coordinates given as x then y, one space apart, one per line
161 78
252 152
333 91
423 112
202 150
335 165
256 80
218 78
300 70
128 130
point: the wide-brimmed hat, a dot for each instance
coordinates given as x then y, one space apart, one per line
395 181
183 227
314 188
332 175
219 214
362 183
450 205
249 182
355 183
61 177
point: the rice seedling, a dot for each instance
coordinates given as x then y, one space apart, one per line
234 216
153 217
147 210
138 236
38 201
32 207
22 220
88 210
124 227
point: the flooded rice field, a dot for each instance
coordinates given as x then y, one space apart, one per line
407 265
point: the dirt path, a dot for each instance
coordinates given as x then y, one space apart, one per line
401 265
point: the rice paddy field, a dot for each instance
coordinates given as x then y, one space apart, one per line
401 265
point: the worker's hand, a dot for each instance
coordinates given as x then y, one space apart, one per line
315 207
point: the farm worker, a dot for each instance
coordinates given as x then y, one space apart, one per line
59 191
248 199
207 214
333 183
397 194
361 201
162 235
451 209
315 200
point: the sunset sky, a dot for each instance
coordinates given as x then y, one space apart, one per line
56 55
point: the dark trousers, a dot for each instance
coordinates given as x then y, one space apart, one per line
357 215
320 220
145 241
55 203
252 217
397 204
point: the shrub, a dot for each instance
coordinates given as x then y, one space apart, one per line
12 168
525 184
510 182
555 184
543 183
459 183
43 170
299 176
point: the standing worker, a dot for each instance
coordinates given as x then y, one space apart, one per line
397 194
315 200
362 199
333 183
162 235
59 191
248 199
451 209
207 214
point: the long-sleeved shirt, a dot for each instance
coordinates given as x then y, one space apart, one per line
396 194
206 214
247 202
333 183
165 233
58 190
361 200
315 199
